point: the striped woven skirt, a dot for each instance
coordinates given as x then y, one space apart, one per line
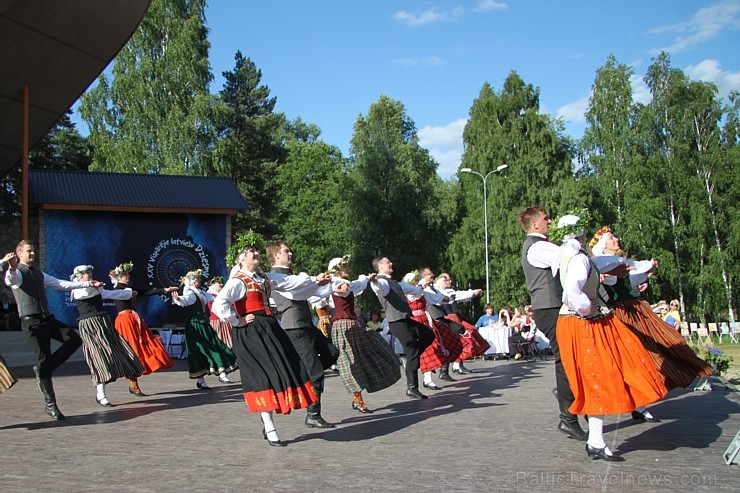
674 359
366 361
223 331
148 348
107 354
7 379
608 369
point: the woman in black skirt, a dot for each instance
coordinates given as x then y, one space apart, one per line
273 378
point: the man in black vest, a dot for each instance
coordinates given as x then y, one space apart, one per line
294 313
546 293
414 337
29 289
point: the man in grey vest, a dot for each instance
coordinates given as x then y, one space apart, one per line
414 337
29 288
546 294
294 312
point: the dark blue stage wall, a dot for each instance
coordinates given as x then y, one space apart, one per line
163 247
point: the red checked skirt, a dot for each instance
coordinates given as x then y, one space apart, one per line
473 343
446 348
676 361
273 377
608 368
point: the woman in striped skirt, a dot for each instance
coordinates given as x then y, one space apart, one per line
107 354
366 361
223 329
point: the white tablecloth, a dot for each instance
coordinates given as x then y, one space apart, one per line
497 337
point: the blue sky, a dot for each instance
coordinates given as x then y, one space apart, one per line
328 61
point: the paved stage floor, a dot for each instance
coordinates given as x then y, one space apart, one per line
492 430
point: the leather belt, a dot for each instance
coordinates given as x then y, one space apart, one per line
35 316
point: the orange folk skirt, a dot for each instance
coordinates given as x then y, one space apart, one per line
608 368
146 346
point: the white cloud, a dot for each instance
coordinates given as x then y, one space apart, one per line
710 71
704 25
575 111
445 144
433 15
433 61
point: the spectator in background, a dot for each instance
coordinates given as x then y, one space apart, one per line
673 314
375 323
505 316
489 318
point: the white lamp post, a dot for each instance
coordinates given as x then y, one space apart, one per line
485 219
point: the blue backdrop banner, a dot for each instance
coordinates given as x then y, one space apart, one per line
162 247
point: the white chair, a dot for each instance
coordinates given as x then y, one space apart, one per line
735 331
694 327
713 331
724 330
703 333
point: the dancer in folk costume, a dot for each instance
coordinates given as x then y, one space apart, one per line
108 355
147 347
294 311
678 364
608 368
366 361
223 329
274 379
474 344
447 346
207 354
414 336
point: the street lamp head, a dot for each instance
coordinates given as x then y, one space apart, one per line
503 166
466 170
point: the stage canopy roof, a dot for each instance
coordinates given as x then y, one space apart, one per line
57 49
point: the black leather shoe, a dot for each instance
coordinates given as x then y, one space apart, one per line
104 402
202 386
362 409
600 453
457 371
432 386
53 411
465 369
316 421
573 430
638 416
276 443
415 394
446 378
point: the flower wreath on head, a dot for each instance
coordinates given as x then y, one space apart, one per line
216 280
191 276
123 268
333 269
598 235
412 277
79 270
556 234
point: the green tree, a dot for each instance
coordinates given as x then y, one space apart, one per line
506 128
391 184
251 148
152 116
312 202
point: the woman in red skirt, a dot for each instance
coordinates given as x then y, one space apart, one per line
223 330
133 329
678 364
447 346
